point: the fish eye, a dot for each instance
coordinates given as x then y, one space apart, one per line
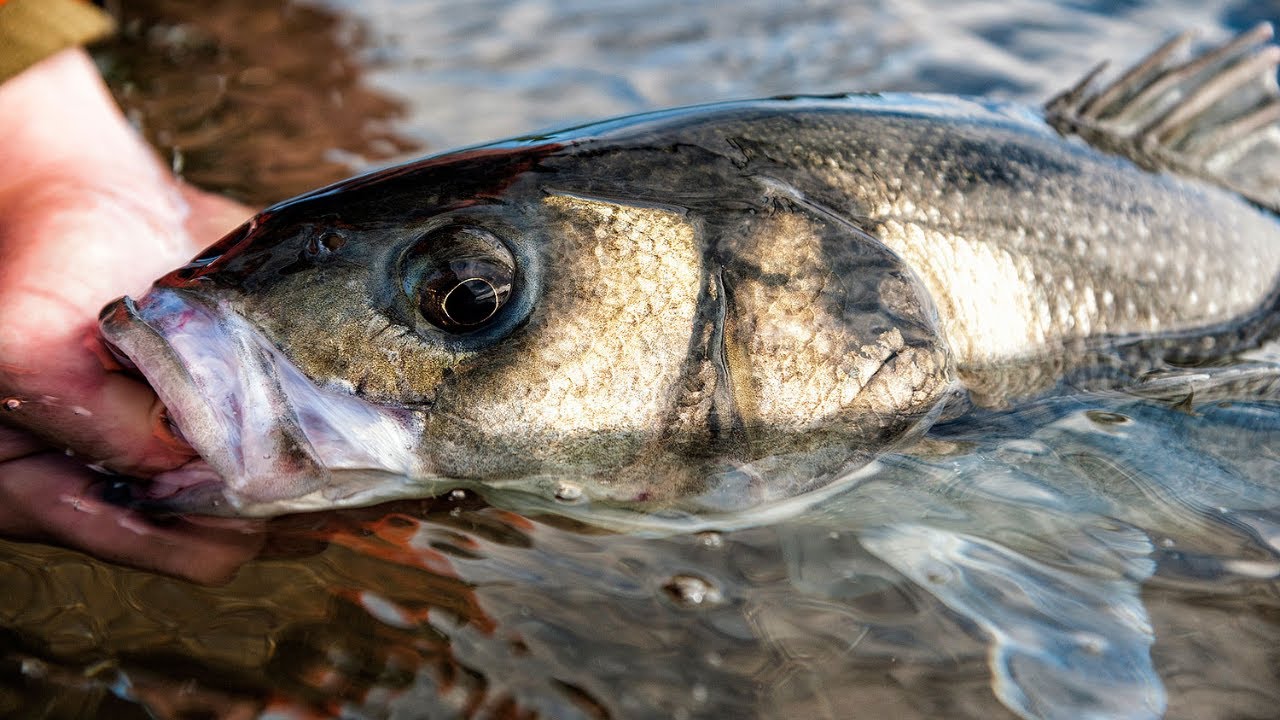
458 277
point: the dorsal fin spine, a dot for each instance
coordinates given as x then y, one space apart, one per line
1202 97
1215 116
1135 76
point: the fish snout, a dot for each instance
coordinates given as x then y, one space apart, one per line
270 439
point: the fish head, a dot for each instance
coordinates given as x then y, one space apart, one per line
494 318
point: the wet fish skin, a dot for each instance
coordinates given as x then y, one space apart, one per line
624 354
729 302
1033 247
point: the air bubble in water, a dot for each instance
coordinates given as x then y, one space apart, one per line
692 591
568 492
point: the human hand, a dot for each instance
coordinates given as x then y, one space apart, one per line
87 213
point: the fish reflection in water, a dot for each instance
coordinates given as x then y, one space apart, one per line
1034 538
1042 552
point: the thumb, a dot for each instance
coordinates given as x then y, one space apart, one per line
88 214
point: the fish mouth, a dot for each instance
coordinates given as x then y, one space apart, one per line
270 440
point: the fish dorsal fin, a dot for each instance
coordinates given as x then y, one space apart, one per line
1215 116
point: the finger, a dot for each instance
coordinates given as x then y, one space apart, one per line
46 496
15 444
89 214
108 418
53 374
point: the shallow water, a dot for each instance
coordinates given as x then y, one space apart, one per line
1102 555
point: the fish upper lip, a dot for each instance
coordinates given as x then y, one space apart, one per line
139 346
275 439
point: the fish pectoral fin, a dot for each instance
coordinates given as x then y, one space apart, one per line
1215 116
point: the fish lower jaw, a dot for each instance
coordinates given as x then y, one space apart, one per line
194 479
272 441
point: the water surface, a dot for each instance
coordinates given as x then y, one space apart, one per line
1103 555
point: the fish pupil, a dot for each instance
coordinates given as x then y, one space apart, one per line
470 302
459 277
464 296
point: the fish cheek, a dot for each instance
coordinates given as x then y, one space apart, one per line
589 382
828 337
331 329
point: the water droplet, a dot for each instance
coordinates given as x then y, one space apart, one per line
938 574
568 492
12 403
692 591
700 693
1091 643
711 539
1103 417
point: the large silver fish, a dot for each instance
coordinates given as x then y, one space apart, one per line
716 306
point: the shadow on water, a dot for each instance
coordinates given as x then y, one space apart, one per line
1099 553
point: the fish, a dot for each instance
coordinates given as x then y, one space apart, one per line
718 307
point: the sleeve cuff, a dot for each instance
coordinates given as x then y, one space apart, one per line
31 30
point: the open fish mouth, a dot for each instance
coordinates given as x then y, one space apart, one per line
270 440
